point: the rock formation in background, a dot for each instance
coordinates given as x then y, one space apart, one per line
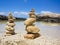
10 25
32 30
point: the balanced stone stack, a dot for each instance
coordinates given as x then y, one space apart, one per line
32 30
10 25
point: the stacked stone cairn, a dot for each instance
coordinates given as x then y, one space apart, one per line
32 30
10 25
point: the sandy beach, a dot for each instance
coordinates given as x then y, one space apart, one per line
50 35
19 39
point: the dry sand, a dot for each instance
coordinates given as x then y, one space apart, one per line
19 39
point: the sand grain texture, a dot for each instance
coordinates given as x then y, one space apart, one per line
19 39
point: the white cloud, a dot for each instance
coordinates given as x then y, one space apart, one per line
46 12
2 13
21 13
51 14
16 14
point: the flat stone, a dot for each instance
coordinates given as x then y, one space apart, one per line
29 36
30 21
32 16
33 29
9 32
32 35
9 28
10 24
11 20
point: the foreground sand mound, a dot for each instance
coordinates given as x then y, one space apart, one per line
20 40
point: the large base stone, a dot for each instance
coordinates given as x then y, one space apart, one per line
9 33
29 36
32 36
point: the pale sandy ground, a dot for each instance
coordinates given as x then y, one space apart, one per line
19 39
48 37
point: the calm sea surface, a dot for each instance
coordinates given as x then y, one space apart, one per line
48 29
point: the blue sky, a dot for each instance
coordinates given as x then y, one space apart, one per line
20 8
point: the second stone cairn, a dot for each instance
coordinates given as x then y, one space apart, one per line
10 25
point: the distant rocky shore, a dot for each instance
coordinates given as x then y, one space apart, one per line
2 17
38 18
47 18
